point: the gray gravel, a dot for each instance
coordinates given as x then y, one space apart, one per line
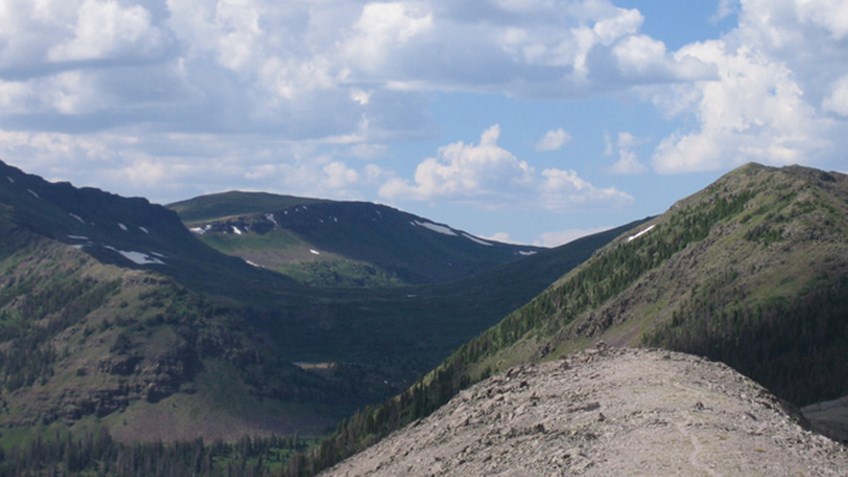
607 411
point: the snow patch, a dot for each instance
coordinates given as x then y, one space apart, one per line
122 226
197 230
314 252
10 179
158 254
335 220
78 237
144 230
138 258
442 229
643 232
254 264
33 193
271 218
77 217
236 230
527 253
476 240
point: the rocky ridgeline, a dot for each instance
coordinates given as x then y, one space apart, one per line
607 411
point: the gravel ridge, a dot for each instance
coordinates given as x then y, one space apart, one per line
607 411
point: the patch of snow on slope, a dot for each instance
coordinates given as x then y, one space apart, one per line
476 240
643 232
271 218
254 264
33 193
442 229
314 252
527 253
138 258
78 237
197 230
158 254
122 226
77 217
236 230
10 179
144 230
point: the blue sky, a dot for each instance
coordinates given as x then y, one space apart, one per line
532 121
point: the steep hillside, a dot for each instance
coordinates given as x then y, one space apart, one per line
606 412
329 243
752 271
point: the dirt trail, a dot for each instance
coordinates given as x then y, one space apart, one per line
607 412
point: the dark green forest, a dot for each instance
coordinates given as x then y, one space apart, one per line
98 454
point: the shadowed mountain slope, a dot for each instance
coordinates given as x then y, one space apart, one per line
329 243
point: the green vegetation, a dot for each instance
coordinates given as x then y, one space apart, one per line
96 453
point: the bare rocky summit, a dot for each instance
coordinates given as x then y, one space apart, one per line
607 411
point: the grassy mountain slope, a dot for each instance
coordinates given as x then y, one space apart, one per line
753 271
331 243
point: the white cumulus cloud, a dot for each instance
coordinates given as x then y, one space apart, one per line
628 160
779 77
553 140
490 176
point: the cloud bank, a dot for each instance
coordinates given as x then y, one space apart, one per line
308 96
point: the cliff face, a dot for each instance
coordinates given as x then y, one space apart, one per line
607 411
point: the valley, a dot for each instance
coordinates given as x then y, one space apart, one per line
116 316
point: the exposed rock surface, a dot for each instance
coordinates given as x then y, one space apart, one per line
607 412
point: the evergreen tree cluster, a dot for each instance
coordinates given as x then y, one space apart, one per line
97 454
794 347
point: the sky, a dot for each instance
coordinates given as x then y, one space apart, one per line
528 121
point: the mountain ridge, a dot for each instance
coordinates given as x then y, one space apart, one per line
341 243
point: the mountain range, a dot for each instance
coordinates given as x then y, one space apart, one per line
113 314
242 314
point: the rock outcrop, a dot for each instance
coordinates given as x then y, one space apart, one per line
607 411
